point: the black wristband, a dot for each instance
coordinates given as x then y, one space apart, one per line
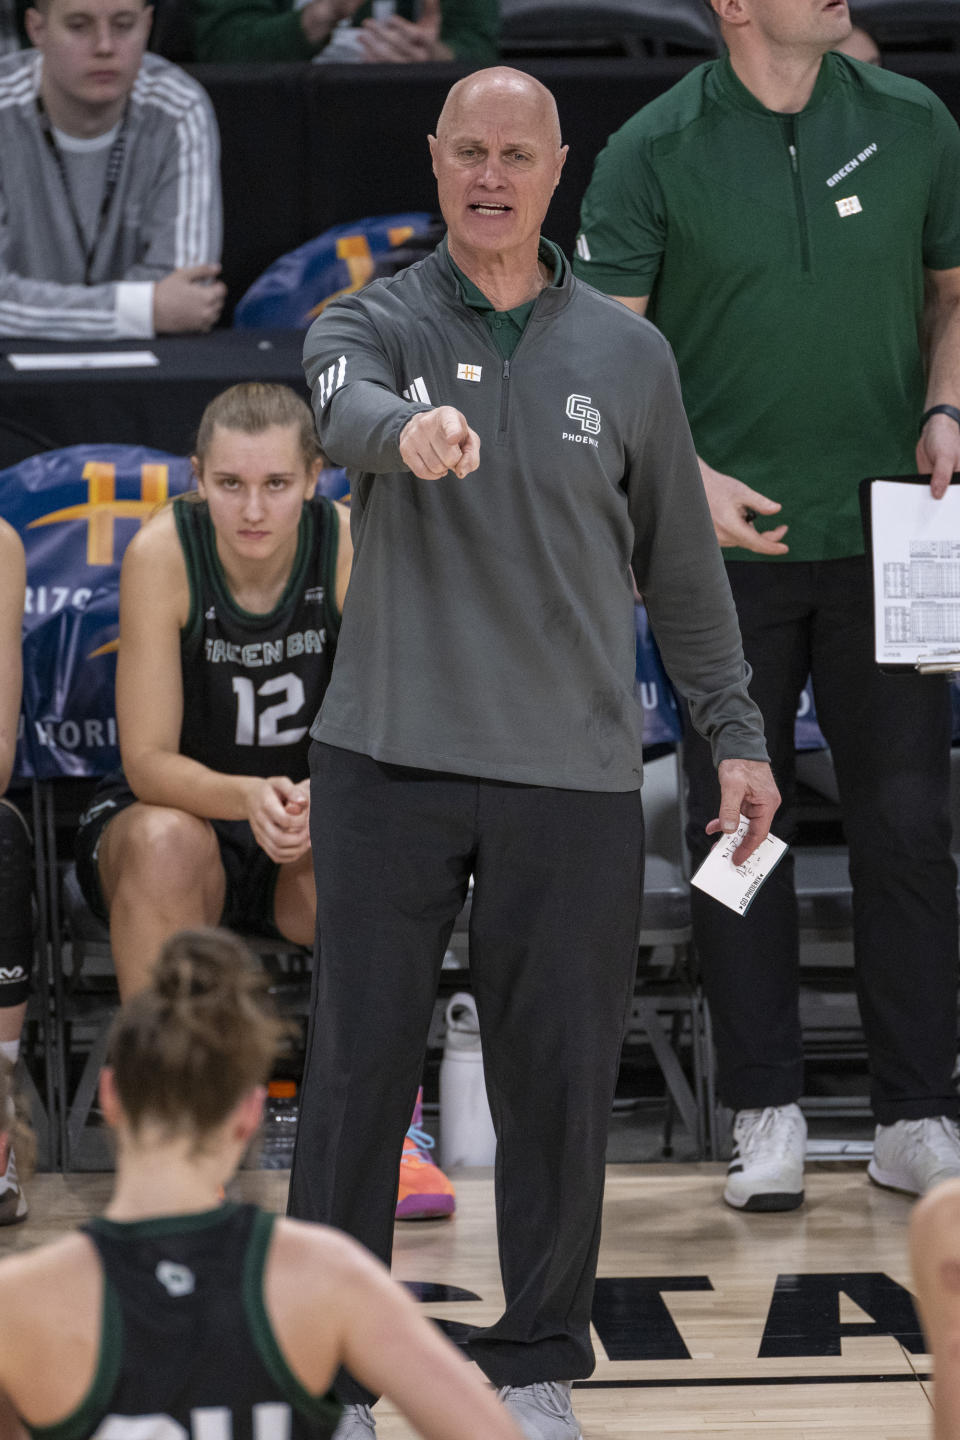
950 410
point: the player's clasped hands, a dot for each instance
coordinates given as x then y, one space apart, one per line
436 441
279 816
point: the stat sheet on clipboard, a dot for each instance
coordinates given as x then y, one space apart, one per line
914 542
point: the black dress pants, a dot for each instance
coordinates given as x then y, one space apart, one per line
553 947
890 739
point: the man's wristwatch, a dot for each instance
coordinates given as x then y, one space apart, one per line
950 410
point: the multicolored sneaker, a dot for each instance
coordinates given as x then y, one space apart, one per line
13 1202
425 1193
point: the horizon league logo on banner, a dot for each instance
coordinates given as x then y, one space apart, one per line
76 511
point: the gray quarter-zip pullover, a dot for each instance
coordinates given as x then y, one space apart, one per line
488 629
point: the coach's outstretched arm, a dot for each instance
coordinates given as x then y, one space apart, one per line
365 412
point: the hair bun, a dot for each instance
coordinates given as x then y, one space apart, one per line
197 963
203 1032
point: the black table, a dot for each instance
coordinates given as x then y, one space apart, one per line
157 405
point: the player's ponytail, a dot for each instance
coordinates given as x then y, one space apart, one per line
252 408
205 1032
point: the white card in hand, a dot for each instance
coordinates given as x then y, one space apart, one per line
736 885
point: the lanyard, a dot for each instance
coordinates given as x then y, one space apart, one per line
114 166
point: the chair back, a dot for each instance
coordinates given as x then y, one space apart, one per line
292 292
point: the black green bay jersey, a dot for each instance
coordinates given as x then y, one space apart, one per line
784 258
252 684
186 1347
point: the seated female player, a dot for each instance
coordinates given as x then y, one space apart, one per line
230 604
176 1315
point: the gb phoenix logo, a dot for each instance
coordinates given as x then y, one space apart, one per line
582 409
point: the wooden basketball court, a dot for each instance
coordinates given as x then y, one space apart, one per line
707 1322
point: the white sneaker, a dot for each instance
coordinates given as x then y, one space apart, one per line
356 1423
543 1411
913 1155
766 1172
13 1202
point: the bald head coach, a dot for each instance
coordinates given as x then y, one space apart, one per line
516 445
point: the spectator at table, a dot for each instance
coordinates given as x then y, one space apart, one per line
396 31
110 217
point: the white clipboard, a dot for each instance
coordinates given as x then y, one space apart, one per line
914 546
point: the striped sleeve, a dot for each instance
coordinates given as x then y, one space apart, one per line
50 310
43 308
183 223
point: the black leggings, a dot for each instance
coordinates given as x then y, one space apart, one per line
16 906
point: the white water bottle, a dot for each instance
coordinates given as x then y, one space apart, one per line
466 1129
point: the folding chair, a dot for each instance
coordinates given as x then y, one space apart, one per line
668 1006
668 1001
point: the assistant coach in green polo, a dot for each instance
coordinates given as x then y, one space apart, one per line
779 215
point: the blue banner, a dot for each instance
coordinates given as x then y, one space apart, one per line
69 674
76 511
294 289
662 724
807 734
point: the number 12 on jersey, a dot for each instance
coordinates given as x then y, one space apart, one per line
263 729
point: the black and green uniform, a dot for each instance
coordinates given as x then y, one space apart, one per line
251 687
253 683
186 1344
784 258
481 720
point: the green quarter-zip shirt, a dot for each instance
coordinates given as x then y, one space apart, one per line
784 256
